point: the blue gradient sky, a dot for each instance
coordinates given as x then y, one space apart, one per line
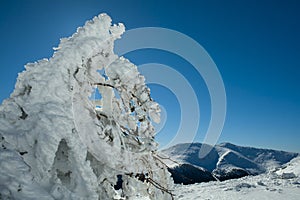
255 44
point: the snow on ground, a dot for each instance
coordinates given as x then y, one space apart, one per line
272 185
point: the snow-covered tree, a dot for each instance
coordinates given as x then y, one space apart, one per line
59 142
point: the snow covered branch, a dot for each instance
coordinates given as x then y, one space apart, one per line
60 142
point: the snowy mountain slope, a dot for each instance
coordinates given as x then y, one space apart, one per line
260 156
270 185
289 170
227 161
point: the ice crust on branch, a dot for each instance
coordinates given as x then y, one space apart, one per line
58 142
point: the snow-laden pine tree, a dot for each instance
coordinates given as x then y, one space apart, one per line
59 142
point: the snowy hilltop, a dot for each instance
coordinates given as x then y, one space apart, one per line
79 125
277 184
225 161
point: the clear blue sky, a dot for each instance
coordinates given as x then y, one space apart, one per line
255 44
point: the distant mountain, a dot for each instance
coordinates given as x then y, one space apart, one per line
190 174
280 183
225 161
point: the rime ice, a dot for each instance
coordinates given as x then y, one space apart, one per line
59 143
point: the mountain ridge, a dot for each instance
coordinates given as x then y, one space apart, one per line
224 161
